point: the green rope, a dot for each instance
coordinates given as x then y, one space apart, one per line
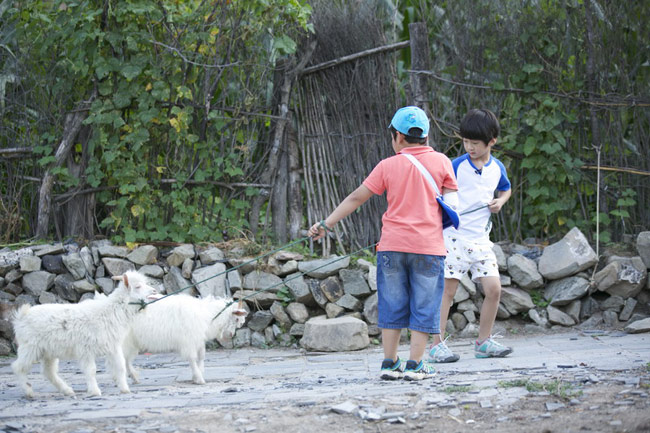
473 210
144 304
321 223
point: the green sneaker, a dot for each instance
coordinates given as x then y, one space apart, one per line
418 371
491 349
440 353
392 370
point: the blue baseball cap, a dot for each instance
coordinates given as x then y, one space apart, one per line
410 117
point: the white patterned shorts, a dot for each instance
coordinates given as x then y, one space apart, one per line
464 255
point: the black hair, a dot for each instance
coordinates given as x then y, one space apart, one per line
480 125
413 137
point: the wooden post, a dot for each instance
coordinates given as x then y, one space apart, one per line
285 83
294 188
279 202
420 62
289 78
76 216
73 123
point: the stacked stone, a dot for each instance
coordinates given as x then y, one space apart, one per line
327 304
579 289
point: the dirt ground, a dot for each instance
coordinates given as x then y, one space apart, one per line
458 399
596 413
601 407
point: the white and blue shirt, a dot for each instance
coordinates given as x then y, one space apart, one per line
476 189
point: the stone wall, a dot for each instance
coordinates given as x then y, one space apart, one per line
563 284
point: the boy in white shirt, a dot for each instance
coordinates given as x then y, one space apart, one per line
479 175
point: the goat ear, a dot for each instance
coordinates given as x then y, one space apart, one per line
122 278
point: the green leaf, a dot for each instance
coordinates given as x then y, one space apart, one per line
530 162
529 145
131 71
130 235
284 44
46 160
121 99
621 213
532 68
550 50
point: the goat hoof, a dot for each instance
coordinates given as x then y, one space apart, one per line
94 393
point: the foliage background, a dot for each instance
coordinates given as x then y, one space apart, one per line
181 120
529 62
180 130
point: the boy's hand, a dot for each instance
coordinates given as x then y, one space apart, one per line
495 205
502 197
317 231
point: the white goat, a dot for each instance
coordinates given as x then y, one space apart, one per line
182 324
81 331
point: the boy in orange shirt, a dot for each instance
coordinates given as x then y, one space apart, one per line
411 251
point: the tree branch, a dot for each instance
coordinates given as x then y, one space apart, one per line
15 152
355 56
620 102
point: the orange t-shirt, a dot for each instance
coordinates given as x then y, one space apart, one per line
413 221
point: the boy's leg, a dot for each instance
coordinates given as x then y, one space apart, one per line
439 351
485 346
416 367
426 279
456 265
393 308
391 367
451 285
419 341
492 290
390 342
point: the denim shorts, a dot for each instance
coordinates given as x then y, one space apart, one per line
409 290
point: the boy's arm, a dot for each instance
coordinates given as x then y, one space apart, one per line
502 197
358 197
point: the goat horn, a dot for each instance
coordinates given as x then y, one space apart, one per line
118 277
240 305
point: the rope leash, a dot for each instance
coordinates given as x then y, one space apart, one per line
322 225
474 210
144 304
